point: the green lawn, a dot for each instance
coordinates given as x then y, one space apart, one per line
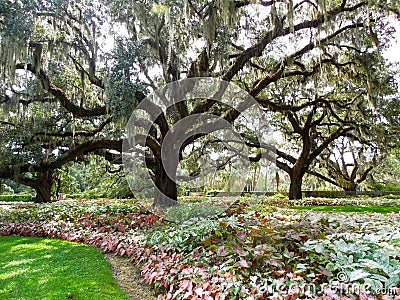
34 268
360 209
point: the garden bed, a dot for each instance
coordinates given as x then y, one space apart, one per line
252 251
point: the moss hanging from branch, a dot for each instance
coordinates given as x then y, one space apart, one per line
290 15
11 52
210 26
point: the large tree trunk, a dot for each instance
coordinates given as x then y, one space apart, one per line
295 188
43 185
349 186
165 192
296 180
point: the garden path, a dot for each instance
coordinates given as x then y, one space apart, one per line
128 278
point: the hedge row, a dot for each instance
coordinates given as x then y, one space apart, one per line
17 198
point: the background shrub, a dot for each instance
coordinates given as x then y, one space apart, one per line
186 211
17 198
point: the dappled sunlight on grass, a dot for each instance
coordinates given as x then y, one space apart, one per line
34 268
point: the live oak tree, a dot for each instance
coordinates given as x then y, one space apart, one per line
339 106
303 61
272 46
348 161
53 108
385 176
346 164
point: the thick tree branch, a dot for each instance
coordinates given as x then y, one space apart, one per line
79 150
323 177
61 96
86 133
333 136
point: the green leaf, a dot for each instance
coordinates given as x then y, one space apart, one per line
372 284
319 248
358 274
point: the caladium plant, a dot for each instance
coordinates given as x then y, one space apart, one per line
238 255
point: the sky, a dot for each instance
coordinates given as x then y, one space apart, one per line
393 53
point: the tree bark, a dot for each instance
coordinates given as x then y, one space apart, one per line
165 192
43 185
295 188
296 181
349 186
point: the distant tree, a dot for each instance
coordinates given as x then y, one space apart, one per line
386 174
346 164
52 101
